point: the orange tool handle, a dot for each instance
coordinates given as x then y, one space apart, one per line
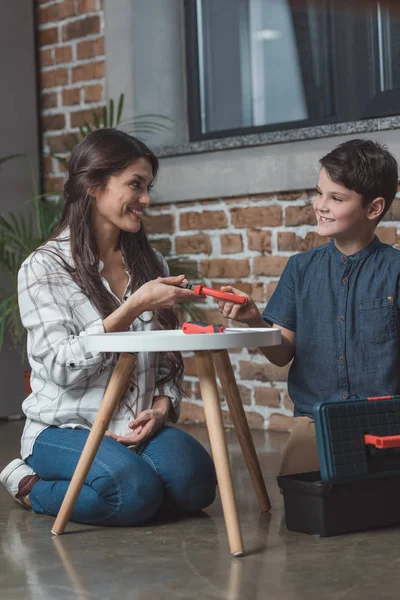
200 327
202 289
387 441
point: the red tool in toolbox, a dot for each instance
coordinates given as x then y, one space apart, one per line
202 290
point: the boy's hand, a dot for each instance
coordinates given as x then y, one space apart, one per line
244 313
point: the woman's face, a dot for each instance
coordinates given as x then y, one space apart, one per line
122 202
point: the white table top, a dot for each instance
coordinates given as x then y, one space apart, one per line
176 340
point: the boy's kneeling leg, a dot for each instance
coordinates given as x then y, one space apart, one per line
300 454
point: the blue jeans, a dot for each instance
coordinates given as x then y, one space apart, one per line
171 473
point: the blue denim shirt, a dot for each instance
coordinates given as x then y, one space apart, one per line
345 311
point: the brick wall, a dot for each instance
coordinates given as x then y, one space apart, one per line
246 242
243 241
71 62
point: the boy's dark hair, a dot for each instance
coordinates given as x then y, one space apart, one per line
366 167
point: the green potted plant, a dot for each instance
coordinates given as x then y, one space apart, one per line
22 232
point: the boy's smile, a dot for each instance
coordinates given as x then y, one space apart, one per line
341 214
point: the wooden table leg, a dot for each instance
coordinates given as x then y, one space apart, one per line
212 409
115 389
231 392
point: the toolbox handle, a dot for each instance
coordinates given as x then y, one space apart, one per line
374 398
387 441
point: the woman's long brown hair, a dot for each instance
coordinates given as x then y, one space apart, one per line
102 153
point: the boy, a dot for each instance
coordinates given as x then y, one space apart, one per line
337 306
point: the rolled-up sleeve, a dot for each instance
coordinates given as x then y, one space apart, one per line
55 339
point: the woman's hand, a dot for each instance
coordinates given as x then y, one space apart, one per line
161 293
146 424
244 313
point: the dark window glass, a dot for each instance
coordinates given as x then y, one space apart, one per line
259 65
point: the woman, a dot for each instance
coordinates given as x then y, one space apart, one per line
99 274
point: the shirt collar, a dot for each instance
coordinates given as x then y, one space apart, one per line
367 251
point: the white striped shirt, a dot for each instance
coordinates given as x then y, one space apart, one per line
68 382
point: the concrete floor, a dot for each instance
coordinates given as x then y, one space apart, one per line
190 558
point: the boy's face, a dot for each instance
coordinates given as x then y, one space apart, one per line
340 212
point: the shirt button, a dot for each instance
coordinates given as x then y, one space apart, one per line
341 318
345 280
72 365
344 258
341 359
131 389
344 395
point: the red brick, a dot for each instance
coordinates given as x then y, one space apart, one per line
163 245
287 401
81 116
289 241
191 413
81 28
93 70
53 122
90 48
85 6
231 243
94 93
66 9
263 197
47 164
53 78
193 244
71 96
257 292
387 235
160 224
263 372
259 240
262 216
53 185
300 215
266 396
208 219
47 14
291 195
63 54
48 100
45 58
48 36
225 268
393 213
245 394
56 142
279 422
190 366
269 265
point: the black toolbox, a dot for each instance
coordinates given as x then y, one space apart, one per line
326 509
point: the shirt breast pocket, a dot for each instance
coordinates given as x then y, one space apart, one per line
378 320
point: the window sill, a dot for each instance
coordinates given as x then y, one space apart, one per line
277 137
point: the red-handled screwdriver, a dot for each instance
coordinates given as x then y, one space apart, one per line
201 289
200 327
